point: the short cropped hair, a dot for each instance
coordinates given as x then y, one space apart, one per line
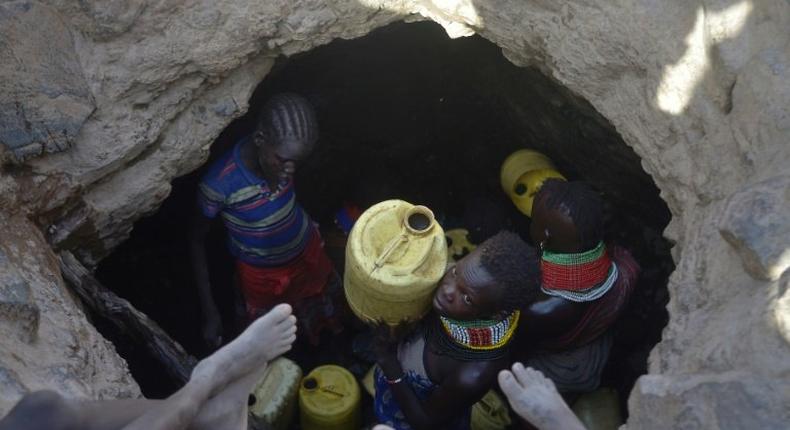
514 265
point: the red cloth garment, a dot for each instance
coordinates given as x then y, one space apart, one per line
305 276
602 312
309 284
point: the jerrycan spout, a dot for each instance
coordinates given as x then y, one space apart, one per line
417 221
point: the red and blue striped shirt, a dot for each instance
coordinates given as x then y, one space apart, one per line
266 227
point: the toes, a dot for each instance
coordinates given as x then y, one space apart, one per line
285 324
285 341
278 314
537 377
286 331
290 321
275 316
283 310
521 374
508 383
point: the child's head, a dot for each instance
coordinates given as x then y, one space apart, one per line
287 131
566 217
500 275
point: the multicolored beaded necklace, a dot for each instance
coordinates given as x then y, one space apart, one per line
473 340
482 334
579 277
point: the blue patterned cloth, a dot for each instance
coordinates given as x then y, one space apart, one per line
388 411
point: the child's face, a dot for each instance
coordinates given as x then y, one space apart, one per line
467 291
279 160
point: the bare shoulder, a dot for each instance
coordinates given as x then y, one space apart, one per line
475 374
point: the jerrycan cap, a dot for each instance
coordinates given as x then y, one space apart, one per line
329 391
419 220
310 383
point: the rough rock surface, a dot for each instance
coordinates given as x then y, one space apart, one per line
756 223
697 88
47 341
46 98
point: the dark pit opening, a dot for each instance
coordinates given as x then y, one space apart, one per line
405 112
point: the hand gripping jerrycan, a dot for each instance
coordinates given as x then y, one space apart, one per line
396 254
522 175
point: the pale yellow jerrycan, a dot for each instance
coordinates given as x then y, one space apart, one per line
599 410
396 254
329 400
523 173
275 395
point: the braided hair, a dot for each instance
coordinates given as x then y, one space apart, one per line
514 265
289 118
580 203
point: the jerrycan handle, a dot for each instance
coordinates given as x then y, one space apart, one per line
418 221
420 261
391 246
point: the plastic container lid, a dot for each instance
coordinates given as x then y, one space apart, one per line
329 398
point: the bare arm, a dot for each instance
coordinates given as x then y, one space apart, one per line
547 318
212 327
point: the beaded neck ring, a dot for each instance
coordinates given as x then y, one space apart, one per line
474 340
579 277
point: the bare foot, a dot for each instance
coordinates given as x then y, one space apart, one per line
266 338
228 409
534 398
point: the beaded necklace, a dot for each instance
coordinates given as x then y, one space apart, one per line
472 340
481 334
579 277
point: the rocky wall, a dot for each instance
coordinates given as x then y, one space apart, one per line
47 341
697 88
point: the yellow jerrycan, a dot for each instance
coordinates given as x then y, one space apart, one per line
599 410
329 399
396 254
523 173
490 413
458 244
274 397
